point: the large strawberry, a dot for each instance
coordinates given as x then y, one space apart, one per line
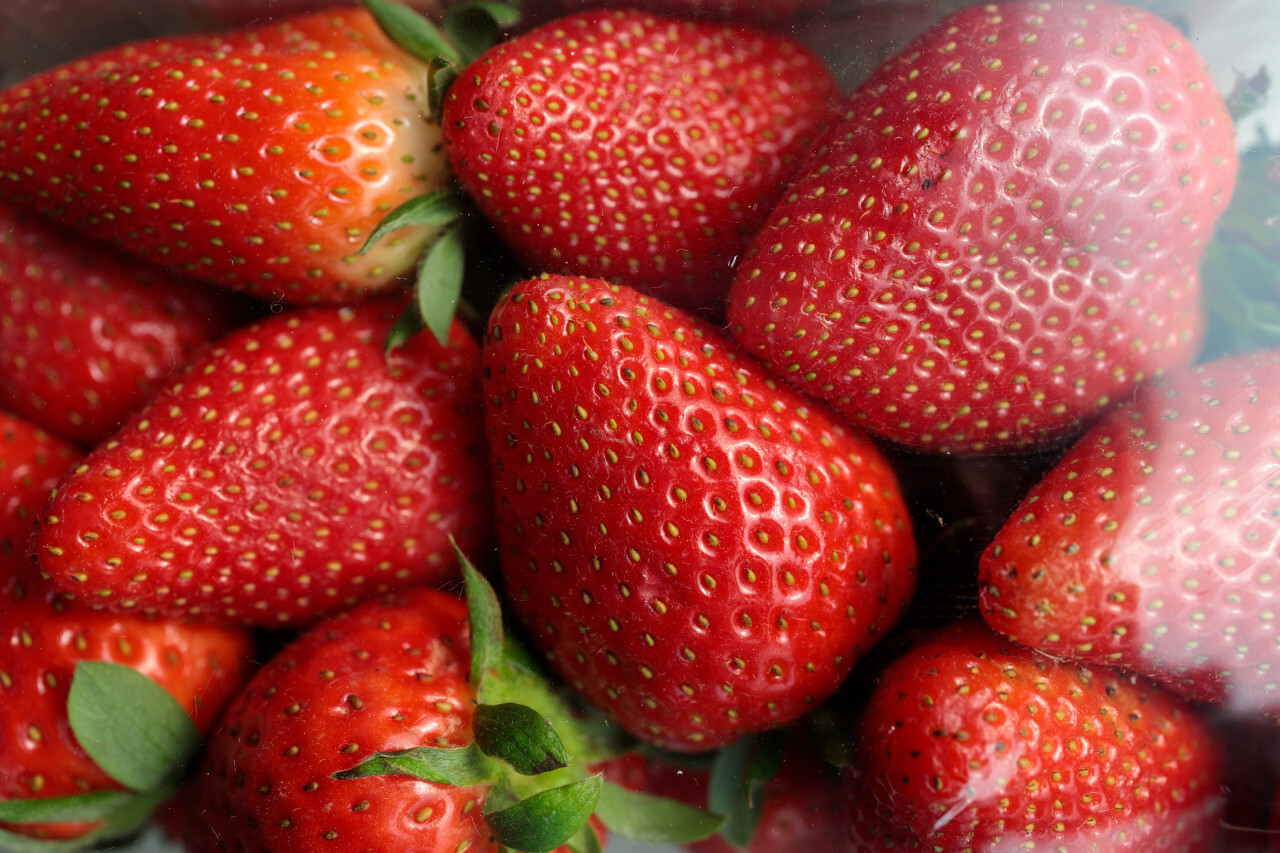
633 147
970 742
87 336
292 469
1152 544
697 549
1000 237
401 725
261 160
43 638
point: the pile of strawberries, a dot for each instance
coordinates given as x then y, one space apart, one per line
513 435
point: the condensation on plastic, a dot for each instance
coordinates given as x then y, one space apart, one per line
1234 36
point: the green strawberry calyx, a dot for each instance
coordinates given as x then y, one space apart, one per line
538 753
138 734
469 30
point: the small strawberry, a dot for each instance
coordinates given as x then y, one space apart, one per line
1000 237
633 147
261 161
43 638
395 725
87 336
970 742
698 550
289 471
1152 544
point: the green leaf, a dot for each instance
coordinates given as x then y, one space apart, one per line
476 27
126 813
457 766
486 621
439 81
738 776
519 736
135 731
94 806
440 283
654 820
547 819
437 208
418 36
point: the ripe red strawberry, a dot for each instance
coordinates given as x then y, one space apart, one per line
1000 237
1151 545
637 148
389 674
261 161
291 470
43 637
87 336
775 14
970 742
698 550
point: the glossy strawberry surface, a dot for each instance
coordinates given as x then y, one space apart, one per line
86 335
1000 237
260 161
43 637
389 674
1152 544
697 549
633 147
291 471
971 742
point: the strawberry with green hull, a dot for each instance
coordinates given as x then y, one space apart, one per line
261 161
86 335
1151 545
408 723
641 149
698 550
972 743
999 239
291 470
44 638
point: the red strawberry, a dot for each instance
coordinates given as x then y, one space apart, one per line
776 13
86 336
31 463
697 549
43 637
389 674
387 680
261 161
973 743
637 148
291 470
1000 237
1151 545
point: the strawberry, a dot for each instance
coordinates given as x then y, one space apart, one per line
261 161
1151 545
44 637
777 13
970 742
999 238
388 674
376 729
627 146
87 336
291 470
696 549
